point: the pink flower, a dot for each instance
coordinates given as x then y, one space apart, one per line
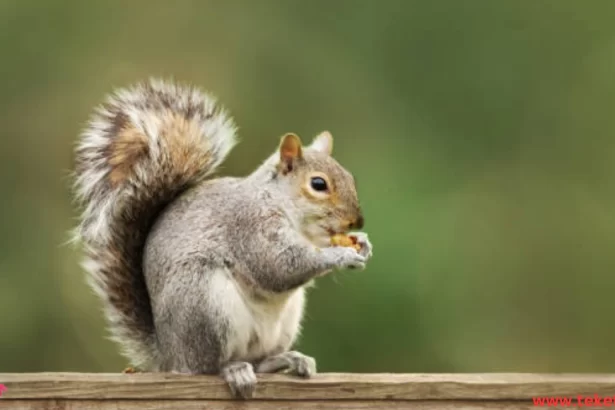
2 389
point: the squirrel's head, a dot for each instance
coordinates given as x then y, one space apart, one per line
324 192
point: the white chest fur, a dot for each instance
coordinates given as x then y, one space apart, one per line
257 327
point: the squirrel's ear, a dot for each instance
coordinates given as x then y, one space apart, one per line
323 142
290 150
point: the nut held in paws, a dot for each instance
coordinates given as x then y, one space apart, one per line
341 239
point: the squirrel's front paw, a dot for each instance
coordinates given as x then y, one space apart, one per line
240 378
345 257
363 241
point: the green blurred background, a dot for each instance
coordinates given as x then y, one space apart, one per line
481 134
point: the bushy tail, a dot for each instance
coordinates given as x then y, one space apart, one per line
142 147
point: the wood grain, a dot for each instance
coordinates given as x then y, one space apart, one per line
329 386
260 405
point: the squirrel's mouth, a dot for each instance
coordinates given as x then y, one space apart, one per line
333 232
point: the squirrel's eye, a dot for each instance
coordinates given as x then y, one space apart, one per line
318 184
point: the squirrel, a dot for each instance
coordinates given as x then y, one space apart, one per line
200 274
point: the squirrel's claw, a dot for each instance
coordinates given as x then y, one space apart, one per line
304 366
240 378
290 362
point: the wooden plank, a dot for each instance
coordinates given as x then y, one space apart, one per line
260 405
331 386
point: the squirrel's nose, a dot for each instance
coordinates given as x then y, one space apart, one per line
358 223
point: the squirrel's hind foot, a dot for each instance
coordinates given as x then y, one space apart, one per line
291 362
240 378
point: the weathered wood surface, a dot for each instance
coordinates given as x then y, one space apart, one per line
69 391
262 405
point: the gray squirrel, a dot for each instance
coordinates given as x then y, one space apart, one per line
202 275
